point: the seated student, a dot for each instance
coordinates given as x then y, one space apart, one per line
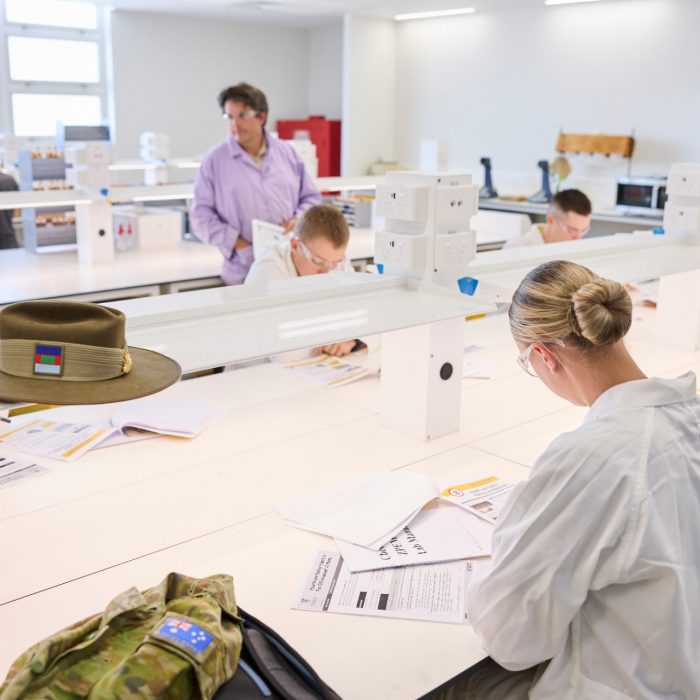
593 588
318 245
568 219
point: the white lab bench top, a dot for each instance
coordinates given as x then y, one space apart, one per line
54 273
128 515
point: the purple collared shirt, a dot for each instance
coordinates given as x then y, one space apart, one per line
230 191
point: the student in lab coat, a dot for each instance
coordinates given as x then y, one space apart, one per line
593 588
568 219
318 246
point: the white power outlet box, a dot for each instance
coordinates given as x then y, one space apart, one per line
455 205
454 250
402 202
679 218
683 180
402 250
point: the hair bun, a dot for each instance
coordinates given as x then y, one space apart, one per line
602 310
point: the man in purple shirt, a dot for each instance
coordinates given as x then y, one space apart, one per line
249 176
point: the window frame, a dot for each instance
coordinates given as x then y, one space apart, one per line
35 87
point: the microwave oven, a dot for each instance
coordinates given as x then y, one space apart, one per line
641 195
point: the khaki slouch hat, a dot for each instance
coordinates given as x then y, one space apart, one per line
67 352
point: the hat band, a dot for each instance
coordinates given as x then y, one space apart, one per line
39 359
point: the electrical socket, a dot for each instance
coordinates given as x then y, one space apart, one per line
679 218
402 202
454 206
454 249
400 250
683 180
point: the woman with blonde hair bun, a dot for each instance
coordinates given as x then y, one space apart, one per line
593 589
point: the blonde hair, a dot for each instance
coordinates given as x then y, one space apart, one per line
324 221
564 302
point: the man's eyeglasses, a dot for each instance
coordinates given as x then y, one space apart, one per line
320 262
248 114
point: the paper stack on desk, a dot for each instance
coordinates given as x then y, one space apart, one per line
367 511
439 533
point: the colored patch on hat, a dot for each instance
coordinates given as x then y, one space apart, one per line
48 359
185 634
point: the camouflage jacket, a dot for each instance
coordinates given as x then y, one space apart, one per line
178 641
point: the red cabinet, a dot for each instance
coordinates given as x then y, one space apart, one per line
324 134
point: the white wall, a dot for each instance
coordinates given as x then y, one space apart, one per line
168 71
369 71
326 70
502 83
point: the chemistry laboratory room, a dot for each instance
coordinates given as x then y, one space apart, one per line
349 350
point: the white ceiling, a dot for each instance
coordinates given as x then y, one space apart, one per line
305 12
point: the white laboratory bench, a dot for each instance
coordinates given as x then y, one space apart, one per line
624 222
127 515
56 273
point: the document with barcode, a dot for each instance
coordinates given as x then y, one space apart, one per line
432 592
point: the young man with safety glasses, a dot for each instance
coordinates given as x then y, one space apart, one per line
318 245
568 219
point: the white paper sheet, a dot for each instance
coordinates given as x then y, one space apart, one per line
433 592
47 438
12 471
437 534
265 236
328 371
474 363
367 511
484 497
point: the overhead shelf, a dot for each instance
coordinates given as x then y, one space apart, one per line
215 327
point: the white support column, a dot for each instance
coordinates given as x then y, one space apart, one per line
94 232
421 380
678 311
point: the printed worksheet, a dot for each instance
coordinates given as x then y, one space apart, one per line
484 497
327 370
439 533
432 592
12 471
47 438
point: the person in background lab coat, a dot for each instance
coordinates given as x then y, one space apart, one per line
593 589
568 219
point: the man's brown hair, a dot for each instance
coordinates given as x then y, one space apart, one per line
572 200
247 94
324 221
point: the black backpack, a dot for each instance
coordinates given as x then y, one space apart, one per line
270 668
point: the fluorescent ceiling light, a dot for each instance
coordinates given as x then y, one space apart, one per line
566 2
436 13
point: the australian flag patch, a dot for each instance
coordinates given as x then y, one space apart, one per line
48 359
185 634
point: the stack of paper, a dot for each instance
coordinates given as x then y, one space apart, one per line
329 371
439 533
367 511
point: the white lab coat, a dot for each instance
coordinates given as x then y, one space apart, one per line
596 557
532 237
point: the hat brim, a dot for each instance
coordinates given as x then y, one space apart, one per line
150 372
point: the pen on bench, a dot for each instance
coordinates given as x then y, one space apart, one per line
5 420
